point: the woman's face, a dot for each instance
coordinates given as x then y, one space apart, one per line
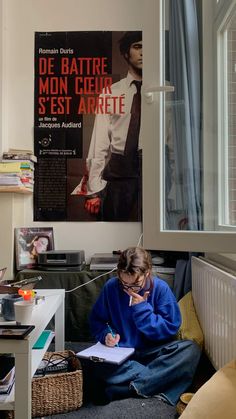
134 281
41 244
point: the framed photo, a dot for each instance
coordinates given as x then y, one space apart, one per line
29 242
15 332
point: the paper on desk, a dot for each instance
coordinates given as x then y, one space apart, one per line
103 353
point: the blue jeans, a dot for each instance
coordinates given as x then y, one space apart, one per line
166 370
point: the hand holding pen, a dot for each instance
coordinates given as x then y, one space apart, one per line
111 338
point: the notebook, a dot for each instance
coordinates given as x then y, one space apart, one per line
103 353
39 344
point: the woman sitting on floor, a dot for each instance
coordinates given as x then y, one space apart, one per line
143 313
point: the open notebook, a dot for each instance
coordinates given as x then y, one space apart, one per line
103 353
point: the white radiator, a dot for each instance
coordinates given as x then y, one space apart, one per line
214 295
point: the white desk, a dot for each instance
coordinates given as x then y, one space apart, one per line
26 359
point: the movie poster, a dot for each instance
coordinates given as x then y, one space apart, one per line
87 117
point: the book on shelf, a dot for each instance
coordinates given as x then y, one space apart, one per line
24 164
20 150
10 180
7 373
15 154
103 353
15 166
16 189
6 387
15 179
21 173
40 343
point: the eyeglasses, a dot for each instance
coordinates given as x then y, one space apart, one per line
146 284
136 286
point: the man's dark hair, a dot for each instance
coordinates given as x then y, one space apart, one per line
128 39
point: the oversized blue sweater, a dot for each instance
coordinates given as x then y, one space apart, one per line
141 325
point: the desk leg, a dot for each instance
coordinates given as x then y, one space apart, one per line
60 327
23 385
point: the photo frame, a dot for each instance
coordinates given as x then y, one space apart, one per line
15 332
29 242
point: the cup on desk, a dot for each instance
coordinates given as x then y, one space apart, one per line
23 312
8 308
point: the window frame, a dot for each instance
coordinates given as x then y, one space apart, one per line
154 237
223 134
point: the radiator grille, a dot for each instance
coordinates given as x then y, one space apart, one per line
214 295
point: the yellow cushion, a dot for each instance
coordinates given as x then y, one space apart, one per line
190 327
216 399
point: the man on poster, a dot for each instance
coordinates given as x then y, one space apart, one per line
112 183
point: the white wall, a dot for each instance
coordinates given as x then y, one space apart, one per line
21 18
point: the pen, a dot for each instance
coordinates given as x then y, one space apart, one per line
130 300
112 333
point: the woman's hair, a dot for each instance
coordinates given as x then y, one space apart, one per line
135 260
31 245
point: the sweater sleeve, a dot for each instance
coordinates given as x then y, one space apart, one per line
161 319
99 318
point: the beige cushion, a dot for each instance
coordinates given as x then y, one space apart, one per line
190 327
216 399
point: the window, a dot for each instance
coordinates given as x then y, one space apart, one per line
188 162
227 121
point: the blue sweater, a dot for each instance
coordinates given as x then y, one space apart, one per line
141 325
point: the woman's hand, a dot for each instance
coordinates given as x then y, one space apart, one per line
136 298
112 341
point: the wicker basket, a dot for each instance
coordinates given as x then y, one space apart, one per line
57 393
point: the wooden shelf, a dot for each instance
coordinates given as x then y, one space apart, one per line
28 359
16 189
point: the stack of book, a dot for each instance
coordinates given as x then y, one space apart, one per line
7 374
17 154
17 170
17 174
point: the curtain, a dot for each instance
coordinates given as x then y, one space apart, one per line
184 195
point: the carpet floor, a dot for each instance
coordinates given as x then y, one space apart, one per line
132 408
123 409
